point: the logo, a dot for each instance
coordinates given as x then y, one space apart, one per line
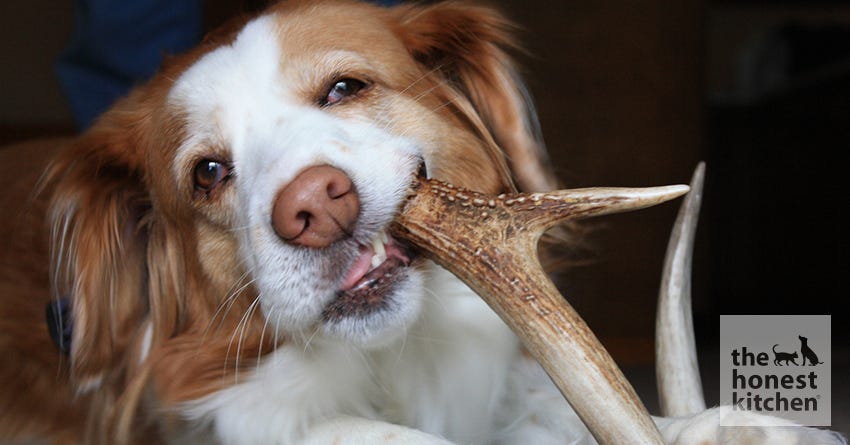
777 365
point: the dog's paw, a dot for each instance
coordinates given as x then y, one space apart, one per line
705 429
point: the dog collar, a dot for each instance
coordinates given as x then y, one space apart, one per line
59 323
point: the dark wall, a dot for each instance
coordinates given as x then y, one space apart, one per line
636 93
618 90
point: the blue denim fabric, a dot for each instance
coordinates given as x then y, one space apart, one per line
117 43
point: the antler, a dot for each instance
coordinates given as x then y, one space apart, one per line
676 367
490 242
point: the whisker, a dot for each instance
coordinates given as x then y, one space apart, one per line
384 119
420 78
398 358
246 319
277 331
436 298
310 339
428 91
443 105
229 301
370 369
242 320
243 228
266 319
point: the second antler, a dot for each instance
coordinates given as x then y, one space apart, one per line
490 242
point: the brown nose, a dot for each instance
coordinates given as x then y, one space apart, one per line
316 208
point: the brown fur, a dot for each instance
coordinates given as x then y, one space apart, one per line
111 227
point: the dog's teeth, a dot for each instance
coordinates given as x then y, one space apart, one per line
380 252
378 246
384 238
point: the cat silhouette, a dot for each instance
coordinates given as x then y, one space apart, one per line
807 352
779 357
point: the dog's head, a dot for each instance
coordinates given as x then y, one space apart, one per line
247 188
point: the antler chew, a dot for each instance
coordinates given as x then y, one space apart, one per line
490 242
676 367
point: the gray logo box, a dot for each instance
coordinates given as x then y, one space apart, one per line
777 365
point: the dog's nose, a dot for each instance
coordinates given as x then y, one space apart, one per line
316 208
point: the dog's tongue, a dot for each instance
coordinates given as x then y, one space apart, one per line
359 269
362 266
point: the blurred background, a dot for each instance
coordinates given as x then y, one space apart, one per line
635 94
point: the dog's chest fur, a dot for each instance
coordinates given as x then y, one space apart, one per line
445 376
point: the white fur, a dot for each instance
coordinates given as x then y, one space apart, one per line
147 338
426 379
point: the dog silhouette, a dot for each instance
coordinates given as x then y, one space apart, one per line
779 357
807 352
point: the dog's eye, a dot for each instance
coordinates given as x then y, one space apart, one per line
341 90
208 174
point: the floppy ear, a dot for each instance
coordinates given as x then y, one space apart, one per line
467 46
98 235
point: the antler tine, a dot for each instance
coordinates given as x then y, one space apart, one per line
490 243
541 211
676 367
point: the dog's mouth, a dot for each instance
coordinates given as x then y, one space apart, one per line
370 280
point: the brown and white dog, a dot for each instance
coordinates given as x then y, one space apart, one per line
219 241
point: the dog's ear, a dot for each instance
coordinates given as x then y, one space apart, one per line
96 219
467 45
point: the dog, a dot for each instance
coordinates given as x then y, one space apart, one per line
214 254
808 353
